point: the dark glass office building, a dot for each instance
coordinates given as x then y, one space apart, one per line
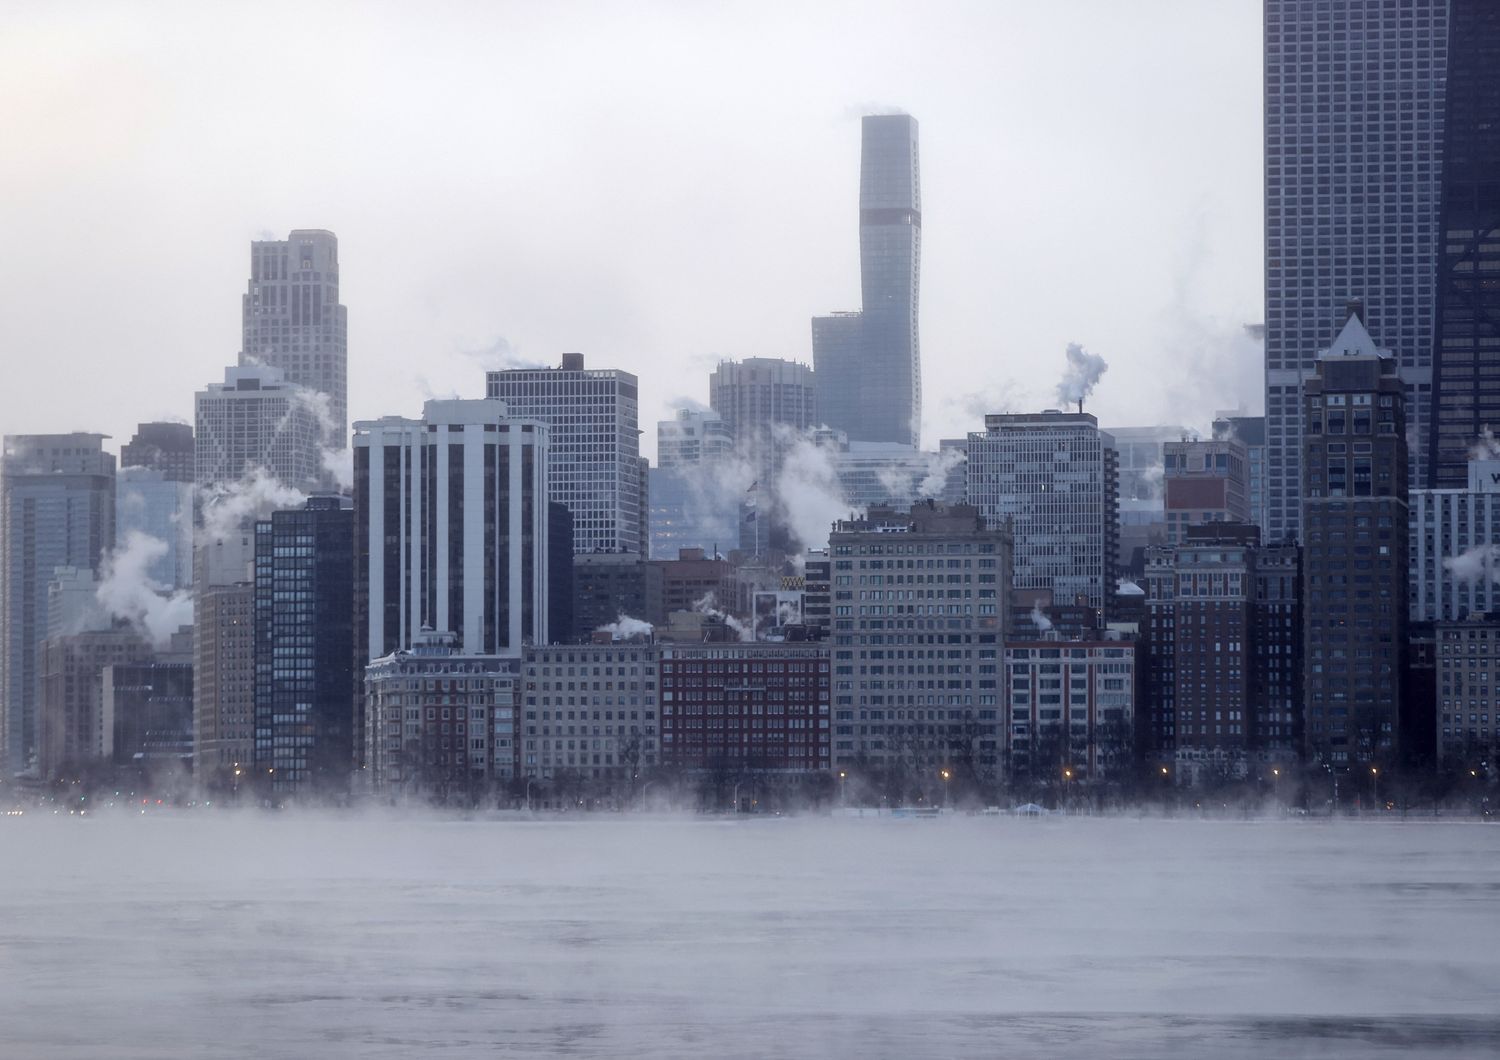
868 364
304 648
1466 367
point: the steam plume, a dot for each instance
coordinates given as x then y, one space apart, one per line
704 605
128 591
1475 564
1081 375
228 506
624 627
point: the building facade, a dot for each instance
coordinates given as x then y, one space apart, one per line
440 724
873 377
609 586
1466 368
1204 482
693 436
256 421
1071 706
590 711
149 503
1355 560
745 707
164 447
57 509
593 421
148 715
304 648
292 321
1455 547
1353 174
224 660
73 732
920 602
451 529
1053 476
1468 687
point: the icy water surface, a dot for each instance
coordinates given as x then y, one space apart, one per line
287 936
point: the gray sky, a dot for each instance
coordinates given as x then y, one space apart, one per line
656 185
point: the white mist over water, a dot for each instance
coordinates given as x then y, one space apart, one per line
229 935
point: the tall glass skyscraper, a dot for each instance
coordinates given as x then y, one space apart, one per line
868 365
1466 371
293 320
1353 164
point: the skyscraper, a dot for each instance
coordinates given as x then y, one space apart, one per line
1354 573
150 503
869 364
758 395
255 420
593 417
450 529
57 509
164 447
304 648
1466 368
292 320
1353 166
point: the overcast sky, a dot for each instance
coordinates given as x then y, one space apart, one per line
657 185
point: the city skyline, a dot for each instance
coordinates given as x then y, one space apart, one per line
445 275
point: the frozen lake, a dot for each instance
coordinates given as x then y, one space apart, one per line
244 935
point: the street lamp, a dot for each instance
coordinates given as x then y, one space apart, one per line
1067 781
528 794
1375 786
945 774
736 796
843 788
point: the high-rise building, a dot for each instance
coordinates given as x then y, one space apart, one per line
1205 481
1354 521
698 485
451 529
292 320
256 420
869 364
693 436
148 502
920 602
1466 368
164 447
57 509
1354 149
759 396
1053 475
1455 548
224 658
593 417
304 648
